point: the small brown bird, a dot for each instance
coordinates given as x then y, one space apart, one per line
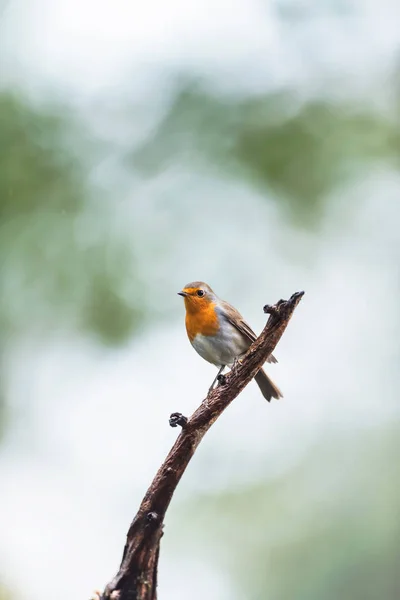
218 332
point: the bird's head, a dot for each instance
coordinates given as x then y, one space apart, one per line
197 295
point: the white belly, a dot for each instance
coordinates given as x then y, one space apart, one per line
221 349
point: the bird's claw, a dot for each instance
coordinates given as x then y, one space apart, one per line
221 379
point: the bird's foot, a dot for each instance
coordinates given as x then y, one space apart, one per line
221 379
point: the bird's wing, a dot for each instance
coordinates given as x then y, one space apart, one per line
235 318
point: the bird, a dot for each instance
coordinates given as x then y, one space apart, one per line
219 334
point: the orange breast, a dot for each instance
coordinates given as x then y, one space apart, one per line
201 320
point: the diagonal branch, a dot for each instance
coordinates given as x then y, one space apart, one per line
137 575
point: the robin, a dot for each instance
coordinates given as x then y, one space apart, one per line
218 332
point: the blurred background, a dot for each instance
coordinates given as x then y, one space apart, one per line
251 144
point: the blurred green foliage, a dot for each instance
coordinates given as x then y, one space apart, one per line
37 172
61 266
328 529
299 151
5 593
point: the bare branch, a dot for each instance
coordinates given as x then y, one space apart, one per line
137 575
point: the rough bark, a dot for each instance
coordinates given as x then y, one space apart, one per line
137 575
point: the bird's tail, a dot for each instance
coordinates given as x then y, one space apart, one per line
267 386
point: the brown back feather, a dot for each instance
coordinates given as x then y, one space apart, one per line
235 318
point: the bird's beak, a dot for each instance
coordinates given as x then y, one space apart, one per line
182 294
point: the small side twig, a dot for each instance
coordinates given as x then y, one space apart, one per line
177 419
137 575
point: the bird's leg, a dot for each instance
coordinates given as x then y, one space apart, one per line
216 379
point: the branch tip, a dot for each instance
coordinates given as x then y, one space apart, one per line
296 297
271 309
283 305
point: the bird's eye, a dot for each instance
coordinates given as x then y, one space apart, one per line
200 293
